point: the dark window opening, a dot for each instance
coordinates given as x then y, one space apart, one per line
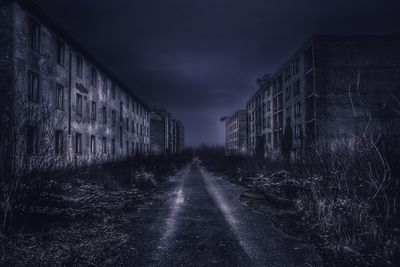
34 35
92 144
78 143
60 97
33 87
60 52
59 139
94 113
79 104
94 76
79 66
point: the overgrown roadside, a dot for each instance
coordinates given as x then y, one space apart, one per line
313 208
83 221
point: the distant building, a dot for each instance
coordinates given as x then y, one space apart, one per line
326 92
236 133
180 132
167 134
58 99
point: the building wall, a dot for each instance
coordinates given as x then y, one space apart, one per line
158 125
236 133
358 80
6 79
180 136
329 90
167 133
131 129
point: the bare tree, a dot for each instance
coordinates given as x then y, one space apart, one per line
17 160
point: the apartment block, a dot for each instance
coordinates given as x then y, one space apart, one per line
167 134
236 133
327 93
257 118
180 136
59 99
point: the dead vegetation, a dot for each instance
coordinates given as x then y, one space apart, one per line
345 201
82 217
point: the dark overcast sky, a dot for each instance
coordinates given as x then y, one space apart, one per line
200 58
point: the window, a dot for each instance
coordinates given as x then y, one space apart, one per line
33 87
268 121
79 66
269 105
113 146
113 118
288 94
78 143
120 137
297 131
127 148
60 97
104 145
79 104
127 124
120 111
287 73
32 140
104 115
60 52
297 110
105 85
133 148
296 88
288 112
133 127
94 76
59 139
34 35
92 144
113 91
94 115
296 66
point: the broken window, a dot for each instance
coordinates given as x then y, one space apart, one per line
59 142
94 113
94 76
78 143
60 52
34 35
60 97
33 87
113 146
79 104
104 145
104 115
113 118
92 144
79 66
113 91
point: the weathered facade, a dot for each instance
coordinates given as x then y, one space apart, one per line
327 92
236 133
167 133
180 136
60 100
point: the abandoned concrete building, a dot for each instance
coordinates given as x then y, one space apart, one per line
236 133
59 99
327 92
167 133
